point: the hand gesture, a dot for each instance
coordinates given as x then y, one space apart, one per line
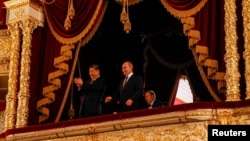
108 99
129 102
78 82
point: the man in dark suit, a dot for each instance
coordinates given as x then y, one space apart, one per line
91 92
130 90
150 98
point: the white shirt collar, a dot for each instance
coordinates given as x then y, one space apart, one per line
95 78
130 75
151 104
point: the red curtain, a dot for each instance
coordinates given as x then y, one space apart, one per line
2 15
183 4
44 49
47 45
209 28
57 12
47 42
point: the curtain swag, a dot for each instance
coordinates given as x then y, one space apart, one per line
68 37
88 16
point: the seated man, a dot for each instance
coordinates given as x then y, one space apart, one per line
151 100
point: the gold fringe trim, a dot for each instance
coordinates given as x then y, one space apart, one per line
69 84
188 24
94 29
130 2
201 53
82 34
181 13
205 80
79 45
195 34
63 68
54 81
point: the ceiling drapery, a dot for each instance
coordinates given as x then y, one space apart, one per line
86 19
181 8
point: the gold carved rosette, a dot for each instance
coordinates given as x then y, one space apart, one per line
23 17
246 54
231 56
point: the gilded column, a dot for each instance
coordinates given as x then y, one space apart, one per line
27 27
246 33
11 97
23 12
231 57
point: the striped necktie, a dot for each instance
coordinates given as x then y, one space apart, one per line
92 81
125 82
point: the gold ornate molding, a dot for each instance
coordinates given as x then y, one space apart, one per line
5 43
23 9
246 34
11 97
23 16
231 116
231 56
1 121
4 33
27 27
171 126
15 4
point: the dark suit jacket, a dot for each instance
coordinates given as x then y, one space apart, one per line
133 90
92 97
157 103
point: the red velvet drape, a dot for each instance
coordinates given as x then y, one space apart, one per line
44 49
209 21
46 46
183 4
2 15
56 14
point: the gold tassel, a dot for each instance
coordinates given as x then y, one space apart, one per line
124 15
71 10
67 23
70 15
127 27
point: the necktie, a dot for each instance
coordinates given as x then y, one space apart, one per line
92 81
125 82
